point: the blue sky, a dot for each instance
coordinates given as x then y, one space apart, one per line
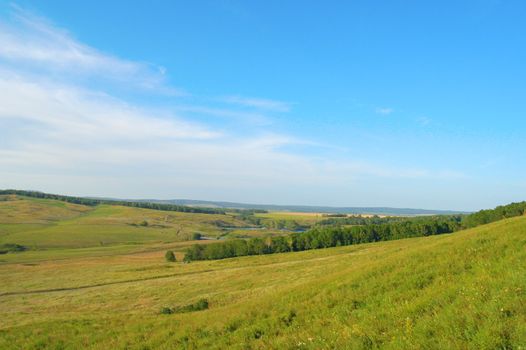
363 103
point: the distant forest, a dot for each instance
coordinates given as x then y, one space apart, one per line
335 232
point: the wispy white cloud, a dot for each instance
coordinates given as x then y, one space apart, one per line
64 129
252 117
259 103
424 121
384 110
33 40
74 112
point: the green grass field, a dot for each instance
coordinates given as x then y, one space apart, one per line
300 218
50 224
43 224
466 290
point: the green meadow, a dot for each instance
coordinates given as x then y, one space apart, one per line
51 224
465 290
300 218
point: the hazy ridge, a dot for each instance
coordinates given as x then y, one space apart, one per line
306 208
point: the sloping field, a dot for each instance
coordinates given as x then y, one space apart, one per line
44 224
466 290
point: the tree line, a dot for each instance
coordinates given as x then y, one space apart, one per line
352 231
487 216
324 237
358 220
94 202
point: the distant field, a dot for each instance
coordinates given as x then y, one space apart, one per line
460 291
304 218
49 224
300 218
52 224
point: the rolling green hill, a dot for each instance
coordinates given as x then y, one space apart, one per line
46 223
465 290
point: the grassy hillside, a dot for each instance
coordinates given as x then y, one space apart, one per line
38 223
465 290
44 224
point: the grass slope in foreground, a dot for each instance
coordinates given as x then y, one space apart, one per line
466 290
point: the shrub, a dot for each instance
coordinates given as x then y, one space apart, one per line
166 310
169 256
288 318
11 247
201 304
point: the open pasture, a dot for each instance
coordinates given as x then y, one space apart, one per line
463 290
51 224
